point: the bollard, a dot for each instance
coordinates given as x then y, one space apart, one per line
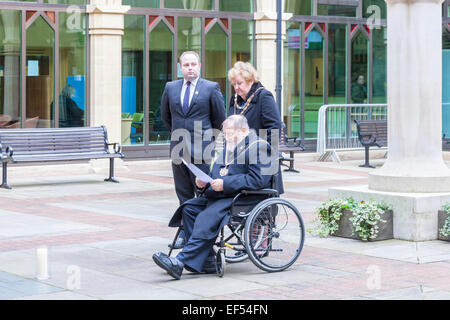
42 263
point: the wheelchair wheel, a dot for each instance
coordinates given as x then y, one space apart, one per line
274 235
235 250
220 262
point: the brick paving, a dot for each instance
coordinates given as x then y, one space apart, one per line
109 232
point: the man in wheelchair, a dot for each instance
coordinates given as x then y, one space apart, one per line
243 164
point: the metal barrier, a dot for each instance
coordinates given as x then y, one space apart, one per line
336 129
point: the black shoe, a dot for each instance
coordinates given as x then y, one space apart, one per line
181 240
173 266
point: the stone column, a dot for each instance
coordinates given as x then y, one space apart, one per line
414 181
106 24
414 77
266 47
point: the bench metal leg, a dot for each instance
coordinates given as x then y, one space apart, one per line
291 163
111 171
4 177
366 164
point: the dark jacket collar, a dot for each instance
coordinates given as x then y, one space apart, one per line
255 86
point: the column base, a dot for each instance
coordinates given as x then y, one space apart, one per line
425 174
415 214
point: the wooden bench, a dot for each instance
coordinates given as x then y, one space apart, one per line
291 145
371 133
56 144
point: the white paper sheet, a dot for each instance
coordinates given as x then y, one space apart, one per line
197 172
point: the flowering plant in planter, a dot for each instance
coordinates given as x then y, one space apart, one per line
445 230
329 213
365 218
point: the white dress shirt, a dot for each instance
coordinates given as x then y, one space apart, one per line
191 90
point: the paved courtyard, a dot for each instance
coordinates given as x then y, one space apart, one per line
101 236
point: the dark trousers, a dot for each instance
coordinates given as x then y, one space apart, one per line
195 251
185 181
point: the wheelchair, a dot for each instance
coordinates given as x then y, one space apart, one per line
262 227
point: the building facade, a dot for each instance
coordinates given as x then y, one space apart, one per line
105 62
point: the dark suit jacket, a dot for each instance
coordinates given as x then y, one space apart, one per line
262 113
245 173
207 107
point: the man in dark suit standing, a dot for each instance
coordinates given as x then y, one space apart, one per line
190 107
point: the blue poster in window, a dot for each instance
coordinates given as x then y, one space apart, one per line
78 83
129 95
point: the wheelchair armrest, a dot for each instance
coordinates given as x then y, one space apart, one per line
268 192
260 192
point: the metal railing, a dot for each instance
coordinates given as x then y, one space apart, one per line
336 129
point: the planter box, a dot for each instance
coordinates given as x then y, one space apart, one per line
442 216
385 229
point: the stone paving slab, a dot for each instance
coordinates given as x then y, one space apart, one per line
12 286
414 252
16 225
131 208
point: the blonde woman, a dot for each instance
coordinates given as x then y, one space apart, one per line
254 102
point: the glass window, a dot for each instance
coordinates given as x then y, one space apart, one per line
142 3
359 68
374 7
379 66
40 73
72 69
133 80
66 1
337 43
236 5
313 82
446 83
189 36
292 79
299 7
10 37
242 41
359 76
337 68
190 4
160 72
216 57
336 10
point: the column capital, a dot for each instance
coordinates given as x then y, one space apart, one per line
261 16
106 17
106 9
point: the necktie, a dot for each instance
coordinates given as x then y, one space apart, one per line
186 97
